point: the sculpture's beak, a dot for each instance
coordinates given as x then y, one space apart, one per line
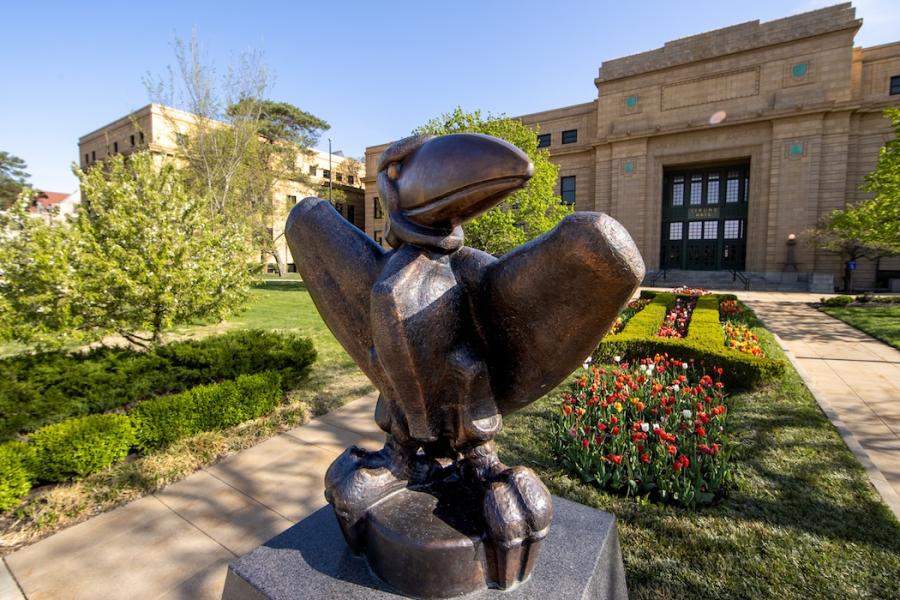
453 178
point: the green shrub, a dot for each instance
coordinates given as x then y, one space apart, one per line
866 298
78 447
39 389
650 294
160 421
837 301
16 459
704 343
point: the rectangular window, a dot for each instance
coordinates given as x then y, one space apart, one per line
141 135
567 189
350 179
678 191
895 85
696 189
87 159
732 187
180 139
544 140
116 147
675 231
326 173
132 140
712 188
339 176
710 230
376 208
695 230
93 156
376 235
570 136
313 170
292 199
292 267
732 229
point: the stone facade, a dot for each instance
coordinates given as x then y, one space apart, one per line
157 128
789 104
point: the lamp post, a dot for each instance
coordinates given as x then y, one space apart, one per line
330 174
791 263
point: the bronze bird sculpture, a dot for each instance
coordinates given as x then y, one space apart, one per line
455 339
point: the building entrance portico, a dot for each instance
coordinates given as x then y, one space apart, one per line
704 217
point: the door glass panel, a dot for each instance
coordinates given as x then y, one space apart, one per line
675 231
696 189
710 230
695 230
732 229
732 187
678 192
712 189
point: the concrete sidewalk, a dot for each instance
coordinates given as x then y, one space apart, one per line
178 542
855 378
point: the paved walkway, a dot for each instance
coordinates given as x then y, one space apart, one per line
178 542
855 378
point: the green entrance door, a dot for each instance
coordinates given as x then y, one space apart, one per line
704 217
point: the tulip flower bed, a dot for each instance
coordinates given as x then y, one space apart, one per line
690 327
690 291
675 323
657 428
633 308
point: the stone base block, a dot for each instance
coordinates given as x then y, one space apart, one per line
580 558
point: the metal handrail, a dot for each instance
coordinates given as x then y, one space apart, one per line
735 275
657 276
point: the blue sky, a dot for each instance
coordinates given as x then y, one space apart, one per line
374 71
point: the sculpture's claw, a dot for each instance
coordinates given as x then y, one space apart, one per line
517 511
358 478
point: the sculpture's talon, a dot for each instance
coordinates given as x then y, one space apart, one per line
517 512
355 481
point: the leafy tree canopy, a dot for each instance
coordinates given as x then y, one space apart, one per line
280 121
13 178
526 213
140 256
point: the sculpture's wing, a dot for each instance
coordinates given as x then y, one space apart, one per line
339 264
548 303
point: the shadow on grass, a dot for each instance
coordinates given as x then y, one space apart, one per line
280 285
800 519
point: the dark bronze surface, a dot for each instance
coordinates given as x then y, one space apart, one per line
454 339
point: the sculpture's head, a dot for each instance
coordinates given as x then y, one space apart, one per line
432 185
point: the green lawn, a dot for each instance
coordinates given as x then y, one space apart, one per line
800 520
881 322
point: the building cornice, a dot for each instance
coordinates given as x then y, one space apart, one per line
719 43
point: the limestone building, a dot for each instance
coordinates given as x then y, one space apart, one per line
715 149
159 128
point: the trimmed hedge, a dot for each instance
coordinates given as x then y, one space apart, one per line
704 342
16 459
161 421
78 447
837 300
39 389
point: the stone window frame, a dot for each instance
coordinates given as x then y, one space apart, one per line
568 196
569 136
544 140
894 85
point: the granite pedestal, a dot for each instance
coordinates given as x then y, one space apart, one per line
580 558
